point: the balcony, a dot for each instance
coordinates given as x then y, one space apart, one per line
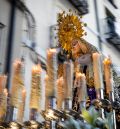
1 25
115 40
110 32
112 3
81 6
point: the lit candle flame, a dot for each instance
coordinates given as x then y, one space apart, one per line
5 92
36 69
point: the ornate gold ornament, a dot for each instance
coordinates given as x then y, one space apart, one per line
70 27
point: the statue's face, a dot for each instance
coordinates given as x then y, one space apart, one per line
75 47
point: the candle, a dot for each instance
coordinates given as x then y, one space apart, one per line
21 106
52 71
77 67
68 78
3 104
36 69
3 80
23 95
46 92
60 93
5 92
97 69
35 87
81 86
17 83
108 75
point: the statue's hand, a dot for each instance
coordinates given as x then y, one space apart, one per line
84 59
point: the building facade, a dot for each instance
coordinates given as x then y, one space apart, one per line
11 20
29 35
45 13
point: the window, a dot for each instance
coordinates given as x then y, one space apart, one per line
112 2
1 45
110 22
1 27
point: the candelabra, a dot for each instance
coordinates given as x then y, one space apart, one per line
108 105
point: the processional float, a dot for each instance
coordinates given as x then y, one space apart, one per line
79 85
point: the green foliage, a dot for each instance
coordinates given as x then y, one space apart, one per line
71 124
90 116
92 121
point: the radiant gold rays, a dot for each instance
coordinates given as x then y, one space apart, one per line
70 27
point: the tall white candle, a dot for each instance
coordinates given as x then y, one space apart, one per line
35 87
22 106
23 95
60 93
3 103
3 80
68 78
52 71
81 86
108 75
97 69
46 92
17 83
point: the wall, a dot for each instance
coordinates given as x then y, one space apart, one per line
5 9
117 3
17 34
43 13
108 49
4 19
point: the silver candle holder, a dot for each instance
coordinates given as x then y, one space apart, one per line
112 99
82 105
33 114
15 114
52 102
68 104
99 96
52 105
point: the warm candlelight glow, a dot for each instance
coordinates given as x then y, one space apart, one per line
35 94
53 50
78 74
46 78
80 84
21 106
97 69
36 69
17 61
3 103
108 75
46 92
68 78
60 92
107 61
3 80
17 65
5 92
23 94
17 82
52 71
50 114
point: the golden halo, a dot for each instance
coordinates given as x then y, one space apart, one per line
69 28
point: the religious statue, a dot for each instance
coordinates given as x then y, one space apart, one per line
73 46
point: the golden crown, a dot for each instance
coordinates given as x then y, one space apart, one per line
70 27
